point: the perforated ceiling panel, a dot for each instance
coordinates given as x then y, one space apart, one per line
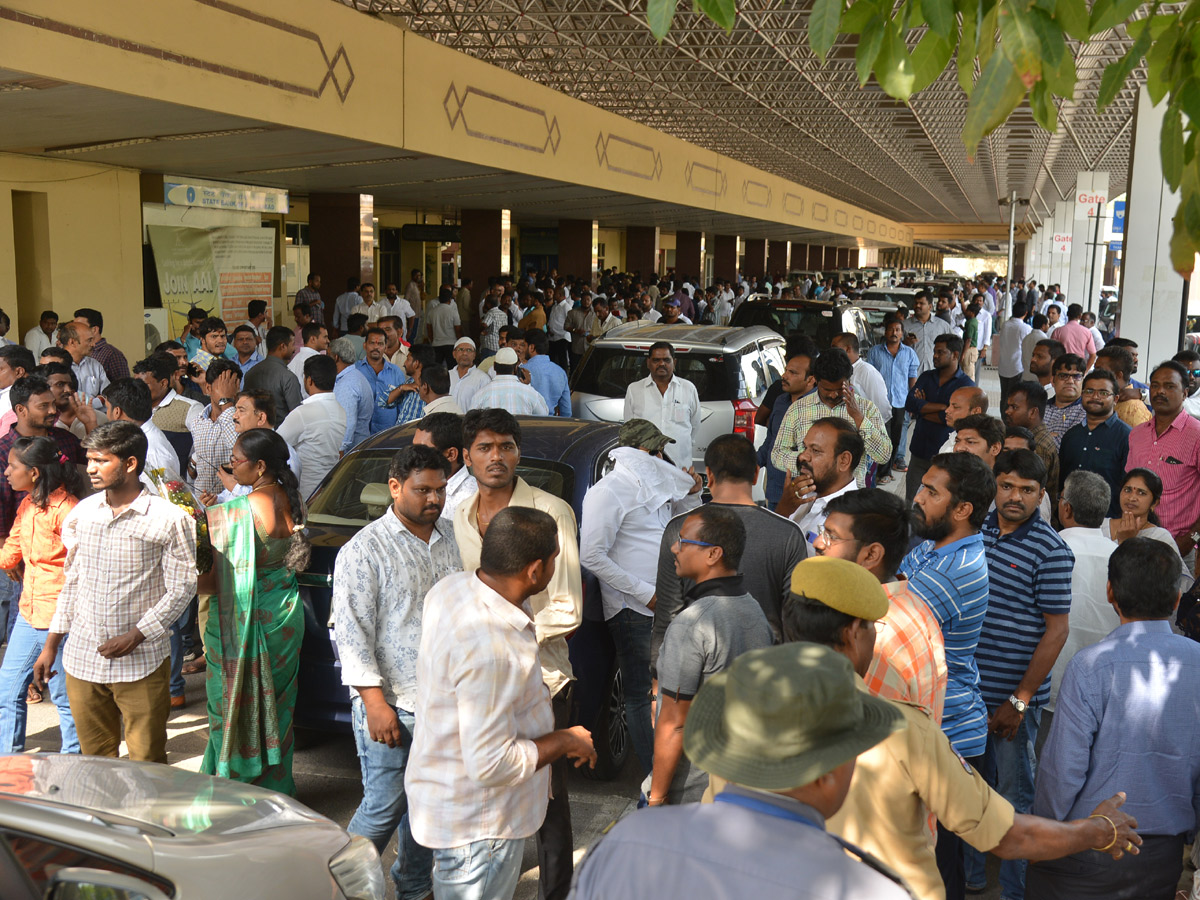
760 95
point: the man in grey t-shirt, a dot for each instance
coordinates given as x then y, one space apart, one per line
720 622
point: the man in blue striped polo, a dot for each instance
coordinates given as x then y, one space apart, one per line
1029 599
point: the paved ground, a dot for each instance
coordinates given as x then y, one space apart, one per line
328 780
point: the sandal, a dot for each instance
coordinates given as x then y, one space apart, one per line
33 695
884 479
899 467
195 667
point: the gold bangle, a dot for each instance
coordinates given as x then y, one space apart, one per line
1114 827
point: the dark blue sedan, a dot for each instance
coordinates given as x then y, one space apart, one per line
562 456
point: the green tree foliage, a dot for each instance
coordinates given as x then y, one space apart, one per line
1005 51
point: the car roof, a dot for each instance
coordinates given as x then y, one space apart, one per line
542 437
717 338
912 292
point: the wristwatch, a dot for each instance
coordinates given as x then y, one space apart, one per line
1018 704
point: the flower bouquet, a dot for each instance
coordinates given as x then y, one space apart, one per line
178 493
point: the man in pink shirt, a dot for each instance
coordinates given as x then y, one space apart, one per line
1169 445
1076 338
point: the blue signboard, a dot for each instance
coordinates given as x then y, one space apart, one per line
1115 246
1118 225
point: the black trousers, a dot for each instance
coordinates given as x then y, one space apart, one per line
444 354
555 841
1151 875
895 427
560 354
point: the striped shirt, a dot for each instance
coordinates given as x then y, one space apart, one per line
1061 419
1029 577
953 582
1175 458
909 664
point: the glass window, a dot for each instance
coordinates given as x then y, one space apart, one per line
773 355
41 858
754 375
357 493
822 325
608 371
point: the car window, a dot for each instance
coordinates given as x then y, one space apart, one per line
357 492
754 375
41 858
608 371
773 356
822 325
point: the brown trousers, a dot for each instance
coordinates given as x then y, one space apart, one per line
143 706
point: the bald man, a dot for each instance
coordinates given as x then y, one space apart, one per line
966 401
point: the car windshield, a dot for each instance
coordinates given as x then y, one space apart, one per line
822 325
357 492
608 371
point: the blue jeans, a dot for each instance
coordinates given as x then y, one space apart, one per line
179 629
1009 766
16 674
900 449
10 595
631 633
384 807
484 870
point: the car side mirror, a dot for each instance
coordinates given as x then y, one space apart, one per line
78 883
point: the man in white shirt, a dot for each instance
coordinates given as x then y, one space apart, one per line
371 307
400 308
443 326
1082 509
444 433
1009 342
824 470
506 391
379 585
40 337
624 516
128 399
556 321
345 303
465 378
316 341
866 379
672 404
433 387
91 375
317 426
478 777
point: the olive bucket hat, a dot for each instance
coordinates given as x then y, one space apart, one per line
783 716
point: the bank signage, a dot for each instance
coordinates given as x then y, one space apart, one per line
217 195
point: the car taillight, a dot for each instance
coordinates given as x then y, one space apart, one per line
743 417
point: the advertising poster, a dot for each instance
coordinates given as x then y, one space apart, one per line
219 270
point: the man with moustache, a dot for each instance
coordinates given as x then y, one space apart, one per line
1067 409
824 470
379 585
1100 443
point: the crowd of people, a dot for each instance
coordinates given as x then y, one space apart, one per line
846 688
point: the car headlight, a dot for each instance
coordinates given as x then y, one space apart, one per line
357 872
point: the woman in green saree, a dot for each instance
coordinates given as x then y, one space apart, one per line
252 639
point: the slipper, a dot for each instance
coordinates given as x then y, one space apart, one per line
33 695
195 667
899 467
884 479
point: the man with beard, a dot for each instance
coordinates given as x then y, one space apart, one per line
1101 443
492 450
1041 363
949 572
1067 409
927 401
383 376
1025 627
824 470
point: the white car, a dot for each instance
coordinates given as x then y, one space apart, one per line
92 828
730 367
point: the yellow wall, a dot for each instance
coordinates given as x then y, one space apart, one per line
95 253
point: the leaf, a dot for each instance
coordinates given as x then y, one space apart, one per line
966 55
1158 64
893 67
1020 43
1041 102
723 12
1060 79
985 40
996 95
929 59
1050 37
1072 17
1188 96
1183 248
1047 6
823 24
858 16
1109 13
1171 147
1115 74
868 49
940 16
659 14
914 16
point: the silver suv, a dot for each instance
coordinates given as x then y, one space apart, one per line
730 367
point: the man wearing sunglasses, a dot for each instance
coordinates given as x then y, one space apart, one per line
1190 360
1066 411
1100 443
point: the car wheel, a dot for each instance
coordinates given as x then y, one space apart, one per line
610 736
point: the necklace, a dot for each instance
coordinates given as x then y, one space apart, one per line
259 487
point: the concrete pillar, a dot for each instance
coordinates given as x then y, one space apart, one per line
641 250
689 254
1153 296
828 261
482 244
1060 249
755 262
777 259
1089 201
576 239
725 256
336 232
1019 261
